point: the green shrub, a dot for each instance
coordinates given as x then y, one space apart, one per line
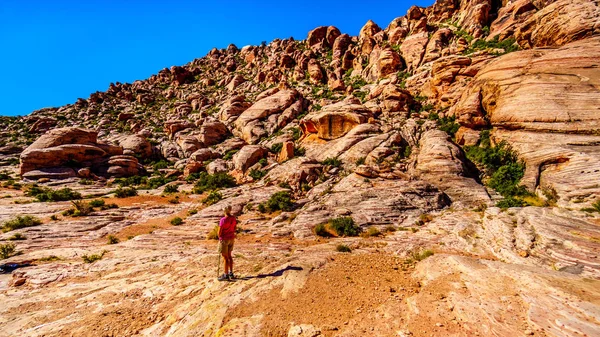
162 164
131 181
17 237
94 257
169 189
510 202
448 125
54 217
417 256
157 182
299 151
192 211
7 250
261 208
321 230
276 148
212 198
344 226
501 164
213 234
97 203
332 162
280 201
20 222
506 179
86 182
176 221
372 231
125 192
112 240
257 174
44 194
342 248
215 181
360 161
229 154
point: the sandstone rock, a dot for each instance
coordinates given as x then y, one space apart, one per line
286 153
217 166
62 136
136 145
232 108
335 120
295 172
315 71
442 164
552 26
248 156
50 173
42 125
413 49
368 30
188 144
204 154
516 99
467 137
213 132
383 63
192 167
251 125
235 82
474 15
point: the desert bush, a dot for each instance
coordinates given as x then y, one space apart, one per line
170 189
257 174
45 194
97 203
371 231
344 226
17 237
342 248
280 201
192 211
510 202
215 181
125 192
7 250
418 256
321 230
212 198
213 234
93 257
112 240
176 221
360 161
20 222
332 162
276 148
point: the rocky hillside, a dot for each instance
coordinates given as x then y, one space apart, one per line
468 129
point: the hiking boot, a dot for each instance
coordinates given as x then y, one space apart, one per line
223 277
231 276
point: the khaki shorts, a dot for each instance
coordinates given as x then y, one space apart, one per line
226 246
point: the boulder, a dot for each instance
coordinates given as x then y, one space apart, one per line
261 118
136 145
286 153
213 132
413 49
204 154
232 108
442 164
248 156
335 120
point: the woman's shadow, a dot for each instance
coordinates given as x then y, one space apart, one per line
273 274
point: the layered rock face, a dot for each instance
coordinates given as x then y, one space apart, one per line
544 103
60 152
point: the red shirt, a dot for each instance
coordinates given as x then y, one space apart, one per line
227 225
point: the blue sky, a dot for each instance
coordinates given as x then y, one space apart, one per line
54 51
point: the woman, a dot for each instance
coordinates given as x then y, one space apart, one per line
226 238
